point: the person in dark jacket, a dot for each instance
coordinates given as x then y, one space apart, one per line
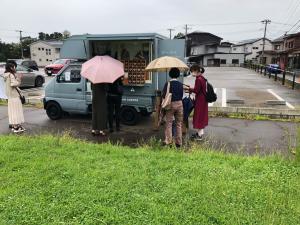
176 110
99 109
114 100
200 118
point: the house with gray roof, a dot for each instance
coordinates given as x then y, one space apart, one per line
206 49
251 48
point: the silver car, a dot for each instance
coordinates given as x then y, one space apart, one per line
29 78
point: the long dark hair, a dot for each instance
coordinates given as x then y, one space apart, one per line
9 68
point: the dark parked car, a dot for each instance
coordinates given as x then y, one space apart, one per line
27 63
273 68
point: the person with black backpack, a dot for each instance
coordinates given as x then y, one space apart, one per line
200 118
114 100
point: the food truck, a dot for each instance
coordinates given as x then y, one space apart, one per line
70 92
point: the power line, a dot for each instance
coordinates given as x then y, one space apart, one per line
282 12
225 24
295 10
293 26
285 24
240 31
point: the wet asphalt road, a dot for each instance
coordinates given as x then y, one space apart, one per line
235 83
230 135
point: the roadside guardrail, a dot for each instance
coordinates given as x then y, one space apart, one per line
268 71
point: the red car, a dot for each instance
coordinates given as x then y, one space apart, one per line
55 67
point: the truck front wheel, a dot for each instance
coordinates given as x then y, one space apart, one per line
129 115
54 111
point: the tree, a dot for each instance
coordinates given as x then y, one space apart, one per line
42 36
9 51
54 36
179 36
26 41
66 34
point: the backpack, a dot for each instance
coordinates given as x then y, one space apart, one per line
210 95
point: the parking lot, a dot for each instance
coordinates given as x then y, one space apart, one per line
240 87
36 94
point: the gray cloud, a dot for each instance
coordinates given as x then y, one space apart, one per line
117 16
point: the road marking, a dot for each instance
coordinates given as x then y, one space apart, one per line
280 99
211 104
224 98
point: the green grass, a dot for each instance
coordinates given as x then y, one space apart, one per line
256 117
297 150
52 180
38 105
3 102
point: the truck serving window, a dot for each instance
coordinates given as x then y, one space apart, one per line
135 55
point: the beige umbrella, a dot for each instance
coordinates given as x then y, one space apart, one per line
165 63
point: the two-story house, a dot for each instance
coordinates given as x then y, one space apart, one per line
251 48
45 52
273 56
206 49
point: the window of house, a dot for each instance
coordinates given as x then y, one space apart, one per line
255 48
277 47
235 61
234 49
47 60
223 61
291 44
39 49
43 49
40 60
70 75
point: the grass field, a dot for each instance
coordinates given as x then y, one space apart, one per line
52 180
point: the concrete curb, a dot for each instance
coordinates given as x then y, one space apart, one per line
256 111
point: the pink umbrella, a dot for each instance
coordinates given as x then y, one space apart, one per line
102 69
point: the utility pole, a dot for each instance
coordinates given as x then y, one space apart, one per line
20 31
186 27
266 22
170 30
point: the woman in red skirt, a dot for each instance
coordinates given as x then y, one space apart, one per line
200 118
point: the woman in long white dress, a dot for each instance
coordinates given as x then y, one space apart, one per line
15 109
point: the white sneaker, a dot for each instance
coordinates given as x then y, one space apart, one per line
18 130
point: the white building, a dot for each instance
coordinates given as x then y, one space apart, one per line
251 48
45 52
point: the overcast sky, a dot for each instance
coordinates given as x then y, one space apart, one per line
233 20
